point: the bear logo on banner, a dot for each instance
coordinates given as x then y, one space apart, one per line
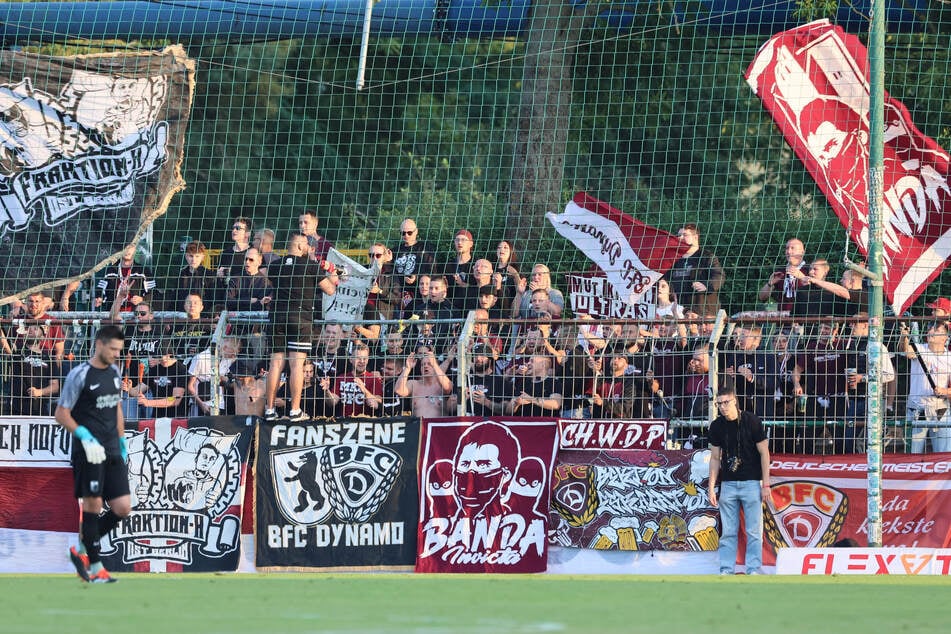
350 481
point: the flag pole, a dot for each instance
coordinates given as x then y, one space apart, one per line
876 55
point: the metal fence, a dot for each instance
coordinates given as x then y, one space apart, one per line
807 379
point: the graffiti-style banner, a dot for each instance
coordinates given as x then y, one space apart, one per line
337 494
186 477
485 495
612 434
633 500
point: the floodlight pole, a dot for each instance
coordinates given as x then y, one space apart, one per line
876 58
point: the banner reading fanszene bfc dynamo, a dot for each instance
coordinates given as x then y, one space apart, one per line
337 494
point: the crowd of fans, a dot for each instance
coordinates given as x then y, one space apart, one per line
524 356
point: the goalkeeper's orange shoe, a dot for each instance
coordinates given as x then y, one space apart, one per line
81 562
101 577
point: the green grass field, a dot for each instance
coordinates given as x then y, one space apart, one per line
428 604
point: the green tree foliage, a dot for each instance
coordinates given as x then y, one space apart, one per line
662 126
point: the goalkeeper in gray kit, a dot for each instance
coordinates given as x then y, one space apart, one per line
90 409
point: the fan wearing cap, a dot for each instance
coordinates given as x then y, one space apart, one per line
940 309
459 267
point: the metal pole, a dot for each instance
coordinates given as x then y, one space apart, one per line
364 45
876 56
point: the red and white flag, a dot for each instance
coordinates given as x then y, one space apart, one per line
632 255
814 81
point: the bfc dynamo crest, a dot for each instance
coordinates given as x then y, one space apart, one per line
807 514
350 481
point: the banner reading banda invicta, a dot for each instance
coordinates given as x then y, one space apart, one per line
484 501
90 154
814 81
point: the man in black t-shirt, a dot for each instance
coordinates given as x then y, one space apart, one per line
299 286
739 459
89 409
538 393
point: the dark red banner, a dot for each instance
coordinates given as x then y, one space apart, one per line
485 494
821 500
814 82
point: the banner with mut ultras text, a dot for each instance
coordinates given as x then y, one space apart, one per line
186 478
484 498
337 494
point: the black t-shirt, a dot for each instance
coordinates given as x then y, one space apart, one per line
737 439
141 344
497 388
189 338
296 295
535 389
413 260
162 381
93 396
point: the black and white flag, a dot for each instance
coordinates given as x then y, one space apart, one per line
90 154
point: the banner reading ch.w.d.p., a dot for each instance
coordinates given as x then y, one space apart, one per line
187 480
337 494
484 498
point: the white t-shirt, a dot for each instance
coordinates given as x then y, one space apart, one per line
920 393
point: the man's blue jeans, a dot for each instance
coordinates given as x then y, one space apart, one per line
745 494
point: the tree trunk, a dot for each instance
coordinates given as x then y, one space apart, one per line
543 121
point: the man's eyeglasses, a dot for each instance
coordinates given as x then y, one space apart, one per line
141 313
407 233
376 255
239 227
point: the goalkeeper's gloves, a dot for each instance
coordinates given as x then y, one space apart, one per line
123 449
95 453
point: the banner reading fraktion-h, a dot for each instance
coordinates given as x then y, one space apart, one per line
90 154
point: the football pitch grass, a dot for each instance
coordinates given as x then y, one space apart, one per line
429 604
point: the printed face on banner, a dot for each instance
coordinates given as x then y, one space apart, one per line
88 157
182 488
484 505
51 146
